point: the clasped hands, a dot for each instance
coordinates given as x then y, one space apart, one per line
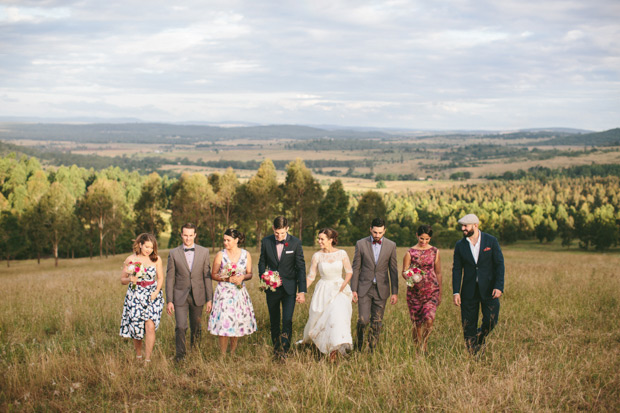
300 298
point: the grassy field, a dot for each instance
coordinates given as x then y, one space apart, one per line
556 348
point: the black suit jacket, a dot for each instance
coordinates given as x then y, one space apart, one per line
489 269
291 266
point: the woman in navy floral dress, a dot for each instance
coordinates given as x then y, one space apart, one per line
144 300
424 297
232 315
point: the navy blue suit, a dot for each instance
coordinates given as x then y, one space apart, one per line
475 283
292 269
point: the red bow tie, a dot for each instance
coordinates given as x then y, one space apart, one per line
376 242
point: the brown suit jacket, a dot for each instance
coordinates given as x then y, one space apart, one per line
180 281
365 269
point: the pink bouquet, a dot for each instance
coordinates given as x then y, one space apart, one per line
270 280
413 276
135 269
230 270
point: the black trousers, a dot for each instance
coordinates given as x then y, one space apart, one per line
281 306
470 310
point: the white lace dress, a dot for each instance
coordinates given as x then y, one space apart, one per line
329 318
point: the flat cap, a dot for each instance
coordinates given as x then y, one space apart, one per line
469 219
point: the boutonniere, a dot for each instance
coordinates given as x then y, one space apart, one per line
487 249
286 244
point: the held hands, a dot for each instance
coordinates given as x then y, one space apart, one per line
301 298
496 293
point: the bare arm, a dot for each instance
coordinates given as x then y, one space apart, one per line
126 278
248 268
438 272
159 268
406 263
217 265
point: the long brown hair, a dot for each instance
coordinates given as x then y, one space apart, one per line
141 240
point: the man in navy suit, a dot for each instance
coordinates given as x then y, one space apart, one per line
282 252
477 281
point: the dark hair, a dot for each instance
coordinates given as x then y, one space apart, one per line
377 222
425 229
331 234
280 222
189 225
141 240
231 232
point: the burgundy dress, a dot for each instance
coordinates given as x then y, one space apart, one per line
423 297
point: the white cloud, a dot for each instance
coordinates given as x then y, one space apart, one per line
394 63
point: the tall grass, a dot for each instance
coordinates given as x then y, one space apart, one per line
556 347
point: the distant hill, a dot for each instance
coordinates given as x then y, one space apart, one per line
607 138
170 133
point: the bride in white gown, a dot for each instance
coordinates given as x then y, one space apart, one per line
329 319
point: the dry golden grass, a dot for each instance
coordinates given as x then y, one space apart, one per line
556 348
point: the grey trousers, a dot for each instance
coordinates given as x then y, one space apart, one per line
370 311
181 314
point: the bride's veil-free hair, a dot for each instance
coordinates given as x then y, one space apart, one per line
331 234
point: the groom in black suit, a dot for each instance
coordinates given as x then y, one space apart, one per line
479 261
282 252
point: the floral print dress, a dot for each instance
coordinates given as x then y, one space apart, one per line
138 307
423 298
232 314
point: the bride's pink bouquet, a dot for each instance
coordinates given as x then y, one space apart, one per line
413 276
270 280
230 270
135 269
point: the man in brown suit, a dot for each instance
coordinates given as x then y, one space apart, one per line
375 273
188 287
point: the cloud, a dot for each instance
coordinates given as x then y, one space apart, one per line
395 63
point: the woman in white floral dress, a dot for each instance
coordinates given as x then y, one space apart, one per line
144 301
232 315
329 318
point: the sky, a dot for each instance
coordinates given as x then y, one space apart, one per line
441 64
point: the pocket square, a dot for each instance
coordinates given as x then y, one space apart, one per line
289 252
487 249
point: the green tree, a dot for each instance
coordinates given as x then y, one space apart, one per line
57 207
192 201
370 206
149 207
103 207
12 239
333 211
260 198
302 196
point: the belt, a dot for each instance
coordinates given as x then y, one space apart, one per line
145 283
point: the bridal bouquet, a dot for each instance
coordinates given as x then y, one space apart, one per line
231 270
413 276
135 269
270 280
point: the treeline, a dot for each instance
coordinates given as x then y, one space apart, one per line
59 158
72 211
543 173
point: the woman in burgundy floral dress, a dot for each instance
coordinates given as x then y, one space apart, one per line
424 296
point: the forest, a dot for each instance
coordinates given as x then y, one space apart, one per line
70 211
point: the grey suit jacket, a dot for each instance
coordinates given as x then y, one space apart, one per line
180 281
365 269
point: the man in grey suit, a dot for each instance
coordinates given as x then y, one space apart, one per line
375 274
188 287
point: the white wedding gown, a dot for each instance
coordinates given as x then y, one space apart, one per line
329 318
